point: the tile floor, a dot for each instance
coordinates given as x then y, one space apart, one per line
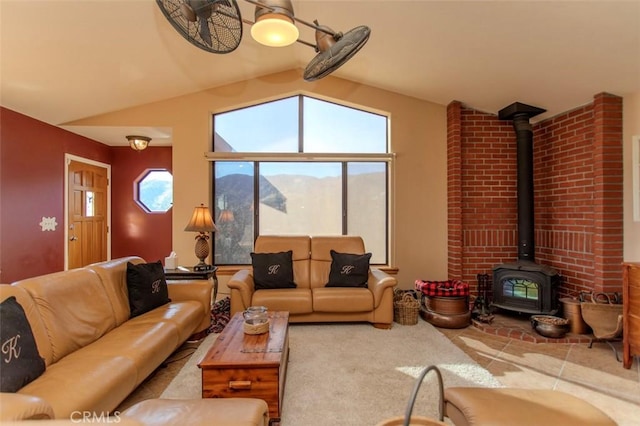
516 361
589 373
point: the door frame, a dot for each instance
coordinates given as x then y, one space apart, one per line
67 159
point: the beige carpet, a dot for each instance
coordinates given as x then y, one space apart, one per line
355 374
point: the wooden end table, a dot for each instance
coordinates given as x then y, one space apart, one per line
240 365
187 273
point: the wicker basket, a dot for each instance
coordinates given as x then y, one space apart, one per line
405 308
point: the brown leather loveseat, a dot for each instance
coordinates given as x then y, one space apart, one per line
311 300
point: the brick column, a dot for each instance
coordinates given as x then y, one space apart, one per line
454 189
608 192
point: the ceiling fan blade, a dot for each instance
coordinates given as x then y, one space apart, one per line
203 10
187 12
205 33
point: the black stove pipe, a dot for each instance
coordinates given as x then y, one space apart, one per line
520 114
526 224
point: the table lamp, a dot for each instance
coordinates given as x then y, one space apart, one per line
202 223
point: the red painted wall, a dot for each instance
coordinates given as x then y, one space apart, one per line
32 186
578 194
134 230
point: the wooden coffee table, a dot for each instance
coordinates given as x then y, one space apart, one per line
240 365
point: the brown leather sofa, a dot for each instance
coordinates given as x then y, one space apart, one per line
95 355
311 301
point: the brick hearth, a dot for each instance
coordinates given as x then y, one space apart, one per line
519 327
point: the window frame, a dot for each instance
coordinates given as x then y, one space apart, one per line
136 190
343 158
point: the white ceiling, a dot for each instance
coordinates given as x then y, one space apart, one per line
63 60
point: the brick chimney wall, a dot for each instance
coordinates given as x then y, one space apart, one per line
578 194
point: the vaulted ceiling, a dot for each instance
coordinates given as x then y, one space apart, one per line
63 60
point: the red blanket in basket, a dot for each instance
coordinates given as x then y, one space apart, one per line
443 288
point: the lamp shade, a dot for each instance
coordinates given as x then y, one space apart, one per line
201 221
274 24
226 216
274 30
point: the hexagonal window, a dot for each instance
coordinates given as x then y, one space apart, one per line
154 190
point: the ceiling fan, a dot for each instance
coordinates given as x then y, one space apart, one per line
216 26
211 25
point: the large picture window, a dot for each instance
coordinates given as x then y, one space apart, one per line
299 166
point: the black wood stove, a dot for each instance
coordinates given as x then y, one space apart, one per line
524 285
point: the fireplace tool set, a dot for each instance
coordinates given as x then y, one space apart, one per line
481 306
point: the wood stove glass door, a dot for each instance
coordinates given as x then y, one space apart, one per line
519 292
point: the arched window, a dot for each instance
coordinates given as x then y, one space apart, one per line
299 165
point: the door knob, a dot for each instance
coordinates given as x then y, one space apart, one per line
73 238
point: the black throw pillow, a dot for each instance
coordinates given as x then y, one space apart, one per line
21 362
147 287
349 270
273 270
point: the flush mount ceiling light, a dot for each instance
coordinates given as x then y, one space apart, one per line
138 143
216 26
